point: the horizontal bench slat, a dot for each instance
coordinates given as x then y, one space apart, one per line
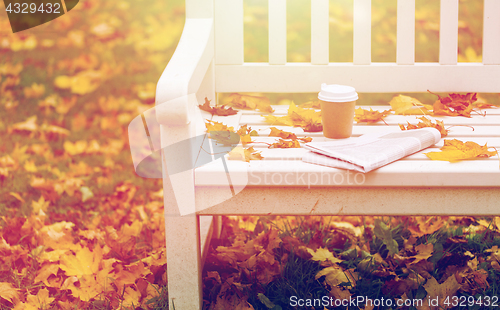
459 131
400 119
399 173
374 78
280 110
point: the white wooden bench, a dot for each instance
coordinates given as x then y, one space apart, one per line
209 60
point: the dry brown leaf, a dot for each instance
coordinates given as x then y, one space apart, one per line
217 110
455 104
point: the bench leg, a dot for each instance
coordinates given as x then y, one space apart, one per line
183 262
182 235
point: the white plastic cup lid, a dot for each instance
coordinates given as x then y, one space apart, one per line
337 93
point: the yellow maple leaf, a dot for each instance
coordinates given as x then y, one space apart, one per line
323 255
441 291
308 119
45 272
82 83
78 147
456 150
41 300
87 288
334 275
244 154
40 206
132 230
424 251
409 106
84 262
131 297
8 292
361 115
250 102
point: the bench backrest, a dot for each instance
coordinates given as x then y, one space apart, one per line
232 74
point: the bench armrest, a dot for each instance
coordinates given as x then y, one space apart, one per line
184 73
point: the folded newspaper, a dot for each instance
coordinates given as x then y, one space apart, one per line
370 151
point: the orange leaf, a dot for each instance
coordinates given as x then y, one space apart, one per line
362 115
285 144
425 122
8 292
41 300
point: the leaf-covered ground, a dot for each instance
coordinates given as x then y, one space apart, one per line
80 230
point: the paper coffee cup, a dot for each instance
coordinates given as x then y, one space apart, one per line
337 110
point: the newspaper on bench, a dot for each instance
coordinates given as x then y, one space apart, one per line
370 151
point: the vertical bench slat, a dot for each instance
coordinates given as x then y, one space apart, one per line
319 32
491 32
229 32
362 28
277 32
405 52
448 32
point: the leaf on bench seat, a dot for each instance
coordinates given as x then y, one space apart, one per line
275 132
456 150
425 122
308 119
455 104
244 154
405 105
217 110
250 102
365 116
